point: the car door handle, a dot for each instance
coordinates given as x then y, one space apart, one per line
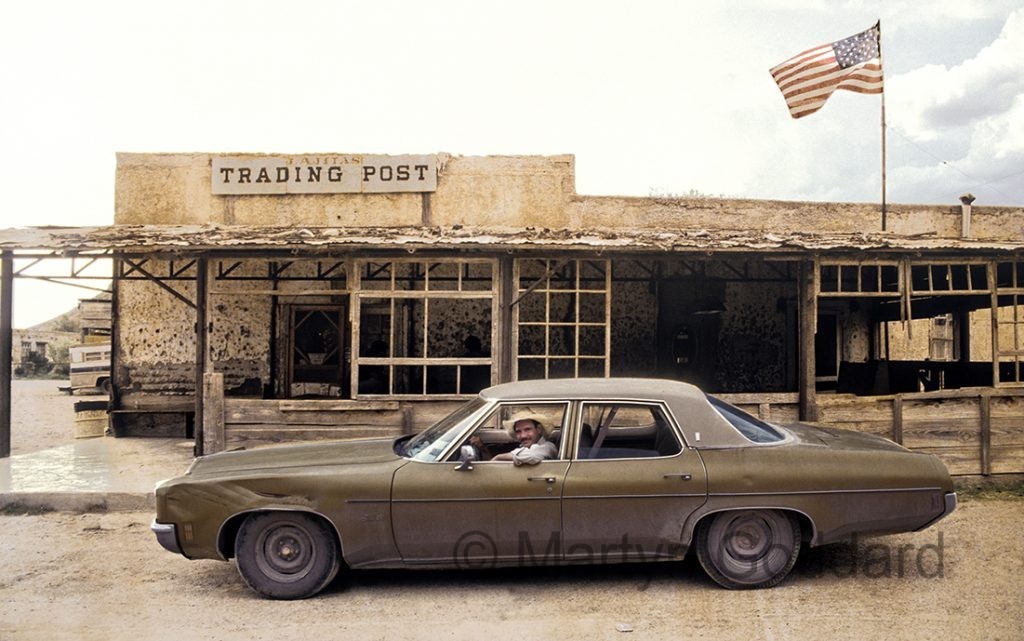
547 479
685 477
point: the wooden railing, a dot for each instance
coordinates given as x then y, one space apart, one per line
974 430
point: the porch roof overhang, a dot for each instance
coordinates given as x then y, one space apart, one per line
234 239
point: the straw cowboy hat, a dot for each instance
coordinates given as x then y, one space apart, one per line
525 415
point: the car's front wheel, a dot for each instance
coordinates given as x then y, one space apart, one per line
286 555
748 548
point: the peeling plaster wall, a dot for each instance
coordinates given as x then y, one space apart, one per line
634 323
855 336
752 340
451 322
239 341
157 338
513 191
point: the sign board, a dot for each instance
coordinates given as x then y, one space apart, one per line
323 174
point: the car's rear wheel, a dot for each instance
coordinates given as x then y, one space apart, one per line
748 548
286 555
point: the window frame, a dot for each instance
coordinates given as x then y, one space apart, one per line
542 285
392 294
666 411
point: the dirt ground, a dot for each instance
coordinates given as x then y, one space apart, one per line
41 415
103 576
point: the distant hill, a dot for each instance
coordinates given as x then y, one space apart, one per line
69 321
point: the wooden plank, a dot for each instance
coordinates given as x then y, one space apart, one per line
270 412
897 420
986 434
808 302
157 403
426 414
258 437
326 419
116 348
1007 407
501 331
878 428
213 413
1006 459
202 353
868 409
289 405
756 399
964 409
788 413
951 434
958 460
313 432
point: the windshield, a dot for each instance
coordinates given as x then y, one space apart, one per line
754 429
430 443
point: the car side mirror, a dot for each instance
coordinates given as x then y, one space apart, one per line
467 454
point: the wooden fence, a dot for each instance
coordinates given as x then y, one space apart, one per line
974 431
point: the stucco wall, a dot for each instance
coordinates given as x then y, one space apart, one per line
515 191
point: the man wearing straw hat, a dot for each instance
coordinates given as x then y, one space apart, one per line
526 427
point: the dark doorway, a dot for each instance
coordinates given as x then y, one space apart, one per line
689 321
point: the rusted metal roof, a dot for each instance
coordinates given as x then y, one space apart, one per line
145 239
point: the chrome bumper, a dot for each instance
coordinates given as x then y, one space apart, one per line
949 507
166 536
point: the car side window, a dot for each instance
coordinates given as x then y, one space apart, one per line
625 430
494 431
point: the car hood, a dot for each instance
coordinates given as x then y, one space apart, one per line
352 452
842 439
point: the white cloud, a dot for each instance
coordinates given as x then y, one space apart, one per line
992 168
938 12
962 126
927 102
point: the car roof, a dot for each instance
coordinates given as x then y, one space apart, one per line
702 425
574 388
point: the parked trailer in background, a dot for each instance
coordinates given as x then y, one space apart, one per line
90 367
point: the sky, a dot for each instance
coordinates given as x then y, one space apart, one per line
652 97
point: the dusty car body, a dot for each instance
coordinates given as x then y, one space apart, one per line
646 469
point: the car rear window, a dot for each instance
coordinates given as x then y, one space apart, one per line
754 429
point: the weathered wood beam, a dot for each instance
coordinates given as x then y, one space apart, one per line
202 338
897 420
502 348
986 434
116 348
213 413
808 325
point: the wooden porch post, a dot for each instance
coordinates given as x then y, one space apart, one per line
213 413
808 326
6 305
202 333
502 350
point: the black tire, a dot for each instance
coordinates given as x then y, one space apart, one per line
105 386
748 549
286 555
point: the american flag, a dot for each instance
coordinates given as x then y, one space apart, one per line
807 79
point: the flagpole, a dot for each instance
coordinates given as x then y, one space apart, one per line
879 25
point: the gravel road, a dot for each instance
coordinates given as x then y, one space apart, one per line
102 576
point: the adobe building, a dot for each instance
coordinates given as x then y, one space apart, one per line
332 295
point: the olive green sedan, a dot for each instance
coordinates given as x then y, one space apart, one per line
575 471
